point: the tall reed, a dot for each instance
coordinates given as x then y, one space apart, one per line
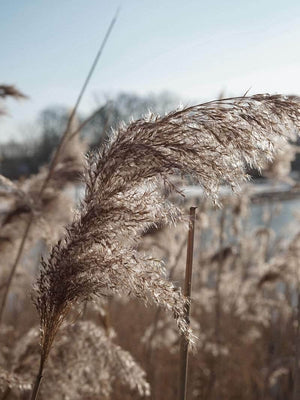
211 142
184 344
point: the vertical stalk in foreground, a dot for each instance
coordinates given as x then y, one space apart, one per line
37 382
184 343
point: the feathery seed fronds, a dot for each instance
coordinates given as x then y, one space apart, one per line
211 142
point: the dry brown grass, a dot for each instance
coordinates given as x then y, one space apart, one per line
128 184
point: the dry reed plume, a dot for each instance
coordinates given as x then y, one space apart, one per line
11 91
7 91
211 142
95 361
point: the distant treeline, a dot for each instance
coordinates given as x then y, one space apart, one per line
25 157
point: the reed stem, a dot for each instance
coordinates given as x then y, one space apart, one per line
37 383
184 343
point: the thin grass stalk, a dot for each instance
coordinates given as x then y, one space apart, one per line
75 108
37 383
87 120
54 162
184 343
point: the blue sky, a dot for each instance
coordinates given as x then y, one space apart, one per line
194 48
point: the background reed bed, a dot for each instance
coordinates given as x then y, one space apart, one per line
245 281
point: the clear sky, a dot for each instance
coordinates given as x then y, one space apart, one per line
193 48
